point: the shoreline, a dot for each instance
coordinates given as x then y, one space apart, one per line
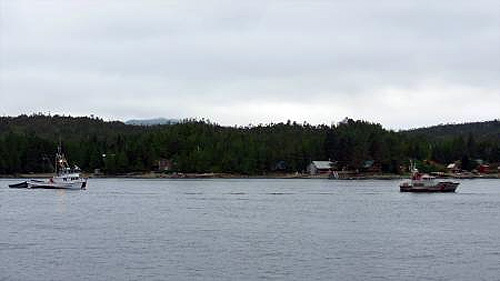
152 175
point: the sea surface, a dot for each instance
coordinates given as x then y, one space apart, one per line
249 229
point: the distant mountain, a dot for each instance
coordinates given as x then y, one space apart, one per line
151 122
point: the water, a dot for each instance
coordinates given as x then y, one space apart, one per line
249 230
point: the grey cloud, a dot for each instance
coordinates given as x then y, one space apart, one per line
222 53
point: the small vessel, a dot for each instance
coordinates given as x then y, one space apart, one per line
420 182
65 177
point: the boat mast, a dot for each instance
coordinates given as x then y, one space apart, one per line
58 157
60 161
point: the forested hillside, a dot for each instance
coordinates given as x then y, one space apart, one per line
28 143
489 130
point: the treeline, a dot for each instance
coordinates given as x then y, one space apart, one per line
28 143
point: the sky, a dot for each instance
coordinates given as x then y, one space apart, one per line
401 63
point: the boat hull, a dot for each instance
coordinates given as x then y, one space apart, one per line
23 184
32 184
446 186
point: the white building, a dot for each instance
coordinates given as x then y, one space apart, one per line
320 167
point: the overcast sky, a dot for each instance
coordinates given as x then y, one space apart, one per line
401 63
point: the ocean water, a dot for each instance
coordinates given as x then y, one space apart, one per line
249 229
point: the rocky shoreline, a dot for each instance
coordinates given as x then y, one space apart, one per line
350 176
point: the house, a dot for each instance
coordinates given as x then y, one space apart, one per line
371 166
320 167
280 166
453 168
164 165
483 168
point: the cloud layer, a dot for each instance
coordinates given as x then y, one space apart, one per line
401 63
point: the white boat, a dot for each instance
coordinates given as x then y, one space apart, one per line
420 182
65 177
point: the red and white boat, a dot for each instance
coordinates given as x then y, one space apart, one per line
420 182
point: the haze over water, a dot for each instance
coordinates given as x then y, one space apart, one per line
249 230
